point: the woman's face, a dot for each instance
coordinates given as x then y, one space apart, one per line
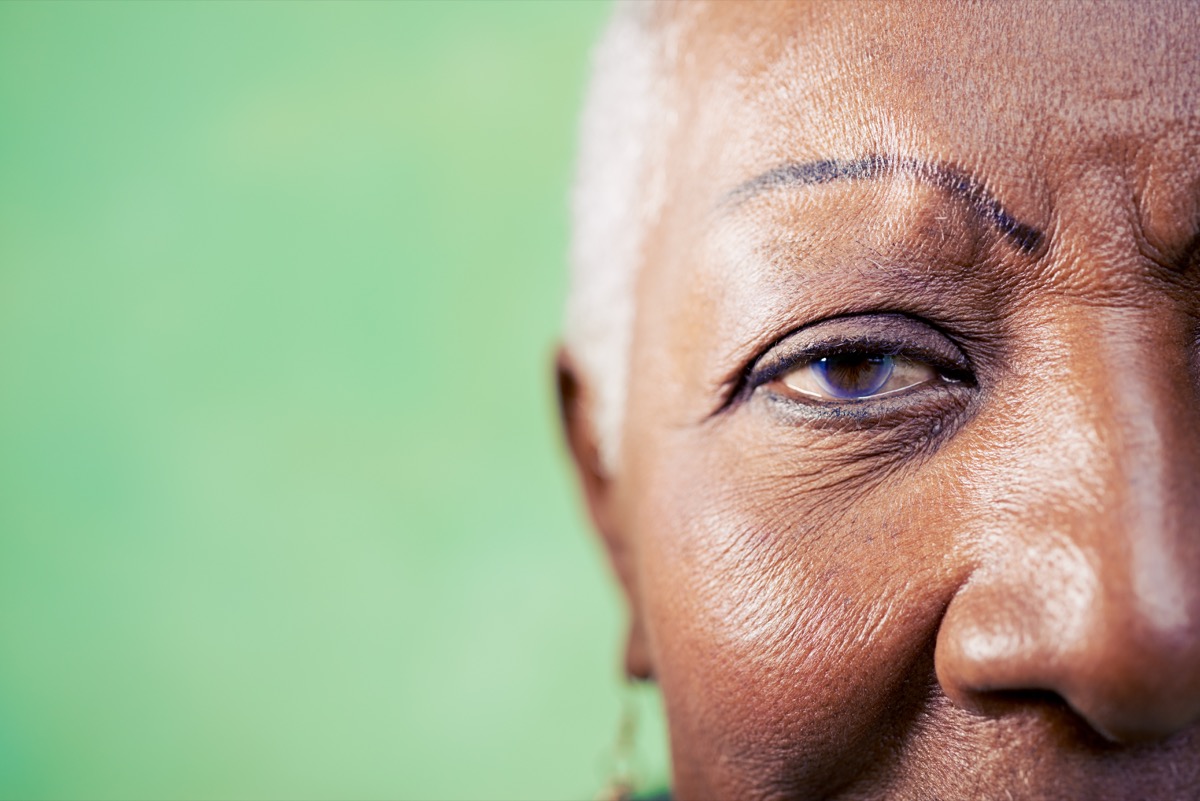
908 504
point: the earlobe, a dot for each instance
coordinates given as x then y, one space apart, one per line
637 655
576 412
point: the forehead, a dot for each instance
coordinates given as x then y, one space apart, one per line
1019 83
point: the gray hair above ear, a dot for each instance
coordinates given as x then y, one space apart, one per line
617 194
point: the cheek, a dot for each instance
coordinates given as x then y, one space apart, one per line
791 615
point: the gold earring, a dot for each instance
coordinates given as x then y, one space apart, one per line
622 780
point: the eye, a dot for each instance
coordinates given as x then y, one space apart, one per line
856 376
859 358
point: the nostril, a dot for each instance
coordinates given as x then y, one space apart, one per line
1092 687
1145 714
1000 702
1076 643
1058 717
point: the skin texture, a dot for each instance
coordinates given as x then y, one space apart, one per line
985 585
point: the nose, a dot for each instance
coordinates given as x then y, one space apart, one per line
1087 585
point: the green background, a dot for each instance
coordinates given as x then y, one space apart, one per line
283 509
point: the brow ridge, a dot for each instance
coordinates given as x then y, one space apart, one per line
1025 237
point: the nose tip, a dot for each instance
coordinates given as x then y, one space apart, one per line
1129 677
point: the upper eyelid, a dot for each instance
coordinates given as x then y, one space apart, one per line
802 356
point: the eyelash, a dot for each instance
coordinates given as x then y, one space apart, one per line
820 350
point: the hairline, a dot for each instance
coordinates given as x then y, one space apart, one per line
617 195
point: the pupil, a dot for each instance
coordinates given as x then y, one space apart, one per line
853 375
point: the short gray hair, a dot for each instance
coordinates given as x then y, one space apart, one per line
618 194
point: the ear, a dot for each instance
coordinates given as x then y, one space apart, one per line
577 411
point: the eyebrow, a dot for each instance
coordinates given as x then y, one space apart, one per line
1026 237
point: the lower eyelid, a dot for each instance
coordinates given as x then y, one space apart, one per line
932 406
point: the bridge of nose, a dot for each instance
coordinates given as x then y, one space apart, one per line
1090 583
